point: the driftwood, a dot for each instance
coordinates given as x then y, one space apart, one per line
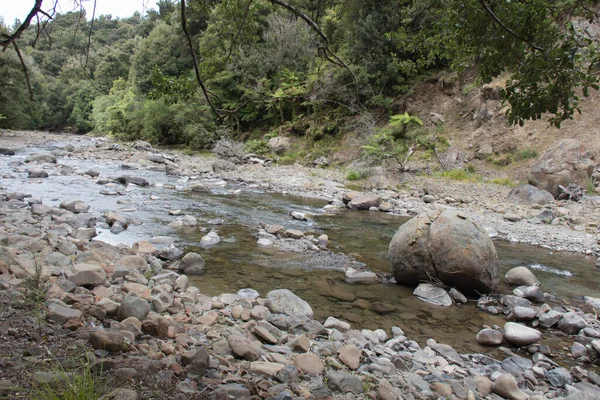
571 192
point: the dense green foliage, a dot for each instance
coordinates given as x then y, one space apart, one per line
266 69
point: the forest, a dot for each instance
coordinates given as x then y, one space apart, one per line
190 73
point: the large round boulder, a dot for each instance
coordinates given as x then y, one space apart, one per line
563 163
445 245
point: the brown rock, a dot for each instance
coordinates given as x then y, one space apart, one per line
350 356
243 348
309 363
106 340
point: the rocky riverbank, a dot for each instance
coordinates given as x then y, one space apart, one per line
128 315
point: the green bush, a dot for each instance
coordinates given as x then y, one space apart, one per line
355 175
257 146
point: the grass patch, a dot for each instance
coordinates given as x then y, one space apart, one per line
590 186
503 182
461 174
525 154
72 385
355 175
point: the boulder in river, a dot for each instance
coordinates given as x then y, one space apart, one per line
445 245
565 162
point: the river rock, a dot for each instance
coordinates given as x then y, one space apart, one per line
162 301
550 318
199 188
60 314
344 382
559 377
111 217
571 323
309 364
37 173
192 264
75 206
243 348
521 313
170 253
529 194
355 276
197 361
133 306
446 245
578 350
350 356
333 322
489 337
210 239
457 296
283 301
364 202
433 294
521 276
87 275
534 293
39 157
521 335
565 162
107 340
506 386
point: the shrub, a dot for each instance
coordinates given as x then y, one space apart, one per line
257 146
355 175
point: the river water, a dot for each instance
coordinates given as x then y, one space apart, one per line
238 262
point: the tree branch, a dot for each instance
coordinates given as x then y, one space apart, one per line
11 39
302 15
501 24
25 71
195 61
326 50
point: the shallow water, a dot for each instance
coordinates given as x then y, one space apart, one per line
238 262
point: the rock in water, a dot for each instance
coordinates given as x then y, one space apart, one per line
521 276
446 245
433 294
210 239
192 264
565 162
283 301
